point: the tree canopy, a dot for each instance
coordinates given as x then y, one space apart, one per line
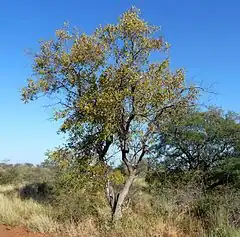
200 140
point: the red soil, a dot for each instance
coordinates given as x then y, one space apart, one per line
6 231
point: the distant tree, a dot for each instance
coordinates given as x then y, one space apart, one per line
110 96
200 140
29 165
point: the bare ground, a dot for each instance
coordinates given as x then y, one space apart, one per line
6 231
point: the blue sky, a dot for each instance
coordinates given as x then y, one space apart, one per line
204 34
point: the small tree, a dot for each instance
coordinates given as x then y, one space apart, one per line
111 96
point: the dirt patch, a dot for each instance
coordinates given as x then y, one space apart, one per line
6 231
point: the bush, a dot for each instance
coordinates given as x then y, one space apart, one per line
24 173
218 208
77 206
41 192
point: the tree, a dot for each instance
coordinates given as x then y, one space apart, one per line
110 95
200 140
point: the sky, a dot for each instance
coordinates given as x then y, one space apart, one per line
204 35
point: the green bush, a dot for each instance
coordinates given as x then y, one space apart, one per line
23 173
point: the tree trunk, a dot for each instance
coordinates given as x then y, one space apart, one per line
117 210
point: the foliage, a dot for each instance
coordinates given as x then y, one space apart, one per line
218 208
200 140
226 173
41 192
80 205
72 174
102 79
20 173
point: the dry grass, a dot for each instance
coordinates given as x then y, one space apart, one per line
7 188
136 225
17 212
87 228
140 221
14 211
29 213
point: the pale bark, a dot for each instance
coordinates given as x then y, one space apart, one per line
117 209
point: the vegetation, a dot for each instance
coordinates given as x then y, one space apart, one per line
200 140
141 158
112 97
20 173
